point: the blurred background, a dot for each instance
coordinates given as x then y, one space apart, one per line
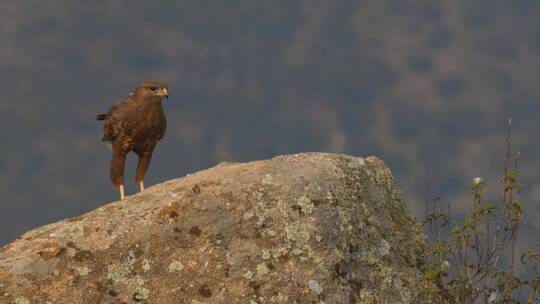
424 85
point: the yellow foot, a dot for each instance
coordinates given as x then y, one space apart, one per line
122 193
141 185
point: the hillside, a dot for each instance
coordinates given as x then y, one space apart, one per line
425 85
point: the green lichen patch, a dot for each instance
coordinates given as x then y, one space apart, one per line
278 252
262 269
266 254
176 266
22 300
297 232
302 204
248 275
83 270
146 265
305 204
118 272
141 294
315 287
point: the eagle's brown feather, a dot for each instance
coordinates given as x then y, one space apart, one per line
135 124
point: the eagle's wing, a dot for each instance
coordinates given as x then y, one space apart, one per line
113 121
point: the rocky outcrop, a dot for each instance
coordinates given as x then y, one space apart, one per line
306 228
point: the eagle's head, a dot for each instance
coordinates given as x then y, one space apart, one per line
151 90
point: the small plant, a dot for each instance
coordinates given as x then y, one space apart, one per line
476 260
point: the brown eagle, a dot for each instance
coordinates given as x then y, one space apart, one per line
135 124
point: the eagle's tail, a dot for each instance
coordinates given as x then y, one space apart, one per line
101 116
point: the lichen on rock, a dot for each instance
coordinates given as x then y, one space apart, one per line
305 228
297 232
176 266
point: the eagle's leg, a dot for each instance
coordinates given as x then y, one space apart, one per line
122 192
142 167
117 170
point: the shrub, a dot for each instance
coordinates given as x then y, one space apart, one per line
476 260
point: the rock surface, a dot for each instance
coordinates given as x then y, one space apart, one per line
306 228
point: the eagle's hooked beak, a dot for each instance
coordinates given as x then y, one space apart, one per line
164 92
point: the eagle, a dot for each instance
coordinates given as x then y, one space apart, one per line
135 124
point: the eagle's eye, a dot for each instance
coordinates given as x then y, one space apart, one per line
153 88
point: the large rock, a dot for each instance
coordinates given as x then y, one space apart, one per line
306 228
